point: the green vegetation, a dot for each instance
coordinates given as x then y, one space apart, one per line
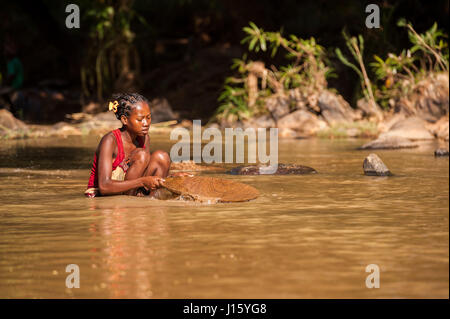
244 95
111 57
161 48
397 75
308 69
356 48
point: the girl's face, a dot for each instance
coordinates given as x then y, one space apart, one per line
138 122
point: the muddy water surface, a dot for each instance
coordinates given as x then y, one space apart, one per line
305 236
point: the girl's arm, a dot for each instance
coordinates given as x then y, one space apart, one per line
106 185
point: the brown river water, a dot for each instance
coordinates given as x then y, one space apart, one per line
308 236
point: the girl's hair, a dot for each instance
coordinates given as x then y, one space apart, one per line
126 103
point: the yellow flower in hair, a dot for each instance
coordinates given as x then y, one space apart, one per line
113 106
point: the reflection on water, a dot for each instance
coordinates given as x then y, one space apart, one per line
304 237
130 262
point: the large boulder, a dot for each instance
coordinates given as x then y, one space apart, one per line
105 117
429 100
100 123
278 106
413 128
374 166
263 121
301 100
64 129
287 133
370 110
389 121
335 109
440 129
302 121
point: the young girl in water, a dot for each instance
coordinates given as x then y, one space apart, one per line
123 163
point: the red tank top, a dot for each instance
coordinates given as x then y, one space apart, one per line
93 179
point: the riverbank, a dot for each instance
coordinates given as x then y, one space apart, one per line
421 115
396 131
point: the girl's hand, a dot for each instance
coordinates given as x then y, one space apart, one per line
152 182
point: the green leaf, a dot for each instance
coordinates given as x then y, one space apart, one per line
263 43
402 22
252 44
433 28
347 63
246 39
380 60
274 51
248 30
253 26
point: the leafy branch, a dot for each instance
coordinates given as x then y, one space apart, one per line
355 46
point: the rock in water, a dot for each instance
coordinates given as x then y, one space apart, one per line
441 152
374 166
210 189
283 169
389 142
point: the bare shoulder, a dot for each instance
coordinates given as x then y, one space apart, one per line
108 141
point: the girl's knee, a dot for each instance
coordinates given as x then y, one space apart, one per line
140 155
161 156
